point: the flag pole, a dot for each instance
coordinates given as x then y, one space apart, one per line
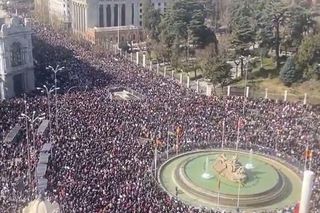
219 192
238 200
155 160
177 143
306 153
223 132
168 144
238 135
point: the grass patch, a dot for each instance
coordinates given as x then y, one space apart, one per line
268 69
276 89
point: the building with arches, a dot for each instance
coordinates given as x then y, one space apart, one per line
101 21
109 22
16 59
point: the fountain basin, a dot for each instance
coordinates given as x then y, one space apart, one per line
271 184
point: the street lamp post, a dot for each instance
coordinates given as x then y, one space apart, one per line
30 120
48 93
28 145
55 71
244 63
247 61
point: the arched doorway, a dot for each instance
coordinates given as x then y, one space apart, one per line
18 84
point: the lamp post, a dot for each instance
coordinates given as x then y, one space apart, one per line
247 61
55 71
30 119
48 93
244 61
28 145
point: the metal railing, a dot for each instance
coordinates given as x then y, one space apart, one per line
206 88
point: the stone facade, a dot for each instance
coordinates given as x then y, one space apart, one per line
92 18
108 36
42 9
16 59
60 13
108 22
109 13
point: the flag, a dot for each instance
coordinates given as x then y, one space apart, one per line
241 123
308 153
306 156
219 184
296 208
158 143
179 131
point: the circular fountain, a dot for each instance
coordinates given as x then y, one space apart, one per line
228 179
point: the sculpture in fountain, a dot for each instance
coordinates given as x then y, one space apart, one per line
230 169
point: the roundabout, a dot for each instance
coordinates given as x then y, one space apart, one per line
195 178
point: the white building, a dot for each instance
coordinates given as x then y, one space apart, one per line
109 13
59 12
97 19
110 21
16 59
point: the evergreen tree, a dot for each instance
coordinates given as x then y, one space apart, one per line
243 35
217 70
309 53
277 17
298 23
151 20
184 23
288 73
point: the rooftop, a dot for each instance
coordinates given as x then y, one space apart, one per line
106 29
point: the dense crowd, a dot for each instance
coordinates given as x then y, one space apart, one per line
99 162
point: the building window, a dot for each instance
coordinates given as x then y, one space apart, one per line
116 15
132 14
123 15
17 55
108 15
101 16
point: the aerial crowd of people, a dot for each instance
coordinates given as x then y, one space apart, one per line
100 163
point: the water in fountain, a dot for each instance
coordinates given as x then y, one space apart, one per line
206 174
249 165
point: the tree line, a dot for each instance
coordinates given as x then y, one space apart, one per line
187 35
